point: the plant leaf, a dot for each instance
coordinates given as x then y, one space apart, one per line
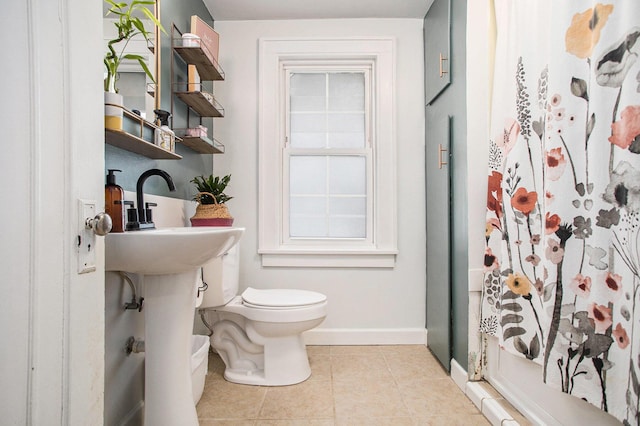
521 346
512 332
510 318
515 307
579 88
534 347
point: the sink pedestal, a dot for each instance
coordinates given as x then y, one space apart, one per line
169 305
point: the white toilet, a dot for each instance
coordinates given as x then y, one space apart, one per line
258 334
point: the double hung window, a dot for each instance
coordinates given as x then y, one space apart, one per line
327 153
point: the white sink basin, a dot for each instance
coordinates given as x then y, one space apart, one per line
167 250
169 262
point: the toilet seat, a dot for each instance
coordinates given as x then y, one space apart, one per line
280 298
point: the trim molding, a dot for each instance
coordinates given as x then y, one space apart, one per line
490 407
366 336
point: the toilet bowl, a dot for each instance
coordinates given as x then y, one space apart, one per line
258 334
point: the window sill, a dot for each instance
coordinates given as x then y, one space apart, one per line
328 259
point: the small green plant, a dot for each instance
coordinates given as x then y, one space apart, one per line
128 26
214 185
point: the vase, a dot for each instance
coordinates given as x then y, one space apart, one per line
113 104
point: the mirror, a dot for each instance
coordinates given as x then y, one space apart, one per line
138 90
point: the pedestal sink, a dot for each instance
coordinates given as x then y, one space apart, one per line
169 260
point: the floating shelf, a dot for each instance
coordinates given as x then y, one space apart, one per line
133 140
203 145
201 102
198 55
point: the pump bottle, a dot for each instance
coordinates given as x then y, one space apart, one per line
114 202
164 137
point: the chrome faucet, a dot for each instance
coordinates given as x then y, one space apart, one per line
144 220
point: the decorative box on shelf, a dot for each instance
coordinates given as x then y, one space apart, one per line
194 51
197 139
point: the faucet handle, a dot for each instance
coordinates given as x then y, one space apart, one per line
148 212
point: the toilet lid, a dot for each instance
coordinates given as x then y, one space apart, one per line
281 298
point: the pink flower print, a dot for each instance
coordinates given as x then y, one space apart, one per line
555 163
620 336
490 260
549 198
509 135
558 114
534 259
555 100
625 132
554 252
581 285
601 316
551 223
614 285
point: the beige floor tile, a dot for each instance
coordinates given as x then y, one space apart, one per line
454 420
356 367
307 400
349 385
320 366
318 350
440 397
377 421
368 398
355 349
297 422
224 400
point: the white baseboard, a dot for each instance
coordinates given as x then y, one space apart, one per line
486 403
366 336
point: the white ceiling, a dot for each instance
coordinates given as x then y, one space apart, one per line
234 10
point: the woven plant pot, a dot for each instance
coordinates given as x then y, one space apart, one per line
215 214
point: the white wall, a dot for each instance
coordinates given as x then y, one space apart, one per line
365 305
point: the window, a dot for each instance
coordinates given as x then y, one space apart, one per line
327 153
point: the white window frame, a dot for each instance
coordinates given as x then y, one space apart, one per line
379 249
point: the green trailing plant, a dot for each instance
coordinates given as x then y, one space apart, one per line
129 25
214 185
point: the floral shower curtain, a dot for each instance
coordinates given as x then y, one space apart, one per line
562 260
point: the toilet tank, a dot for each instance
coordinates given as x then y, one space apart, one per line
221 274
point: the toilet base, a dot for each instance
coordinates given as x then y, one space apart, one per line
285 363
252 359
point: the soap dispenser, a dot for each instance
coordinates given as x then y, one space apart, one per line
165 138
114 202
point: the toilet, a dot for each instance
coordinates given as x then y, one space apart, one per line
258 334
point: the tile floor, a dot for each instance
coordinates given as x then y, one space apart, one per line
349 385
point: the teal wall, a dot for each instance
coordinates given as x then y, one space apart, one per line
192 163
453 102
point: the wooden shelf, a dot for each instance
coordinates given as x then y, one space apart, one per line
129 142
203 144
136 142
208 68
200 104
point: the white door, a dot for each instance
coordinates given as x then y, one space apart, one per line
51 317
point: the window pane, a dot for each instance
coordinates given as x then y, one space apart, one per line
347 227
307 205
308 140
307 227
346 92
307 123
308 84
347 206
345 140
307 175
347 175
307 103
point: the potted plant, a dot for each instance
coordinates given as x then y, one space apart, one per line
211 209
128 26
